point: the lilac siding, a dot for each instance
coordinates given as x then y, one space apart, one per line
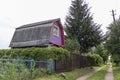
54 39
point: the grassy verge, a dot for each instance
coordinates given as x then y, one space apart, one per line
99 75
116 72
69 75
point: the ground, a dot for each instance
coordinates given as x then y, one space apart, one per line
108 76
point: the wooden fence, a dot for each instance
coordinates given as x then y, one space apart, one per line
74 61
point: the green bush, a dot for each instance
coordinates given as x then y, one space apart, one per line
35 53
97 58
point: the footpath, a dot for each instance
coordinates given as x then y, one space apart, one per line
109 75
84 77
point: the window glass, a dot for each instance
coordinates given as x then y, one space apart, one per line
56 30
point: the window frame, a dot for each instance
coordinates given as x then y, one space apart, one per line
55 30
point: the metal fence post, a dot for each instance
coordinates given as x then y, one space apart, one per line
31 65
53 66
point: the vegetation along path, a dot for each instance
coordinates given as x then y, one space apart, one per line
109 75
89 74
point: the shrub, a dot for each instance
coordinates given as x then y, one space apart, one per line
97 58
36 53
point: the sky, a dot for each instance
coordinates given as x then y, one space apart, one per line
14 13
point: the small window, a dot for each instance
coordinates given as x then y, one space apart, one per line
55 31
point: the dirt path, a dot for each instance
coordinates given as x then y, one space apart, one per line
89 74
109 75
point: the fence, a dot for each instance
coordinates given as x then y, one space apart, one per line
18 69
74 61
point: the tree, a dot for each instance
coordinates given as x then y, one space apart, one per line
80 26
113 38
102 51
72 45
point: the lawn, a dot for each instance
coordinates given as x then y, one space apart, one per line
69 75
100 74
116 72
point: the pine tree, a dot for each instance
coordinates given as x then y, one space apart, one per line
80 26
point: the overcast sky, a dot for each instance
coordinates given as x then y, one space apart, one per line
14 13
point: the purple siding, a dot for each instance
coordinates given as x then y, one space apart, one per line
54 39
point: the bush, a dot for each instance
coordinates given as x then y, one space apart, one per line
97 58
35 53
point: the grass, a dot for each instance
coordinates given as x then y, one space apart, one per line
9 71
69 75
116 72
100 74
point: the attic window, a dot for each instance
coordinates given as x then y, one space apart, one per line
55 30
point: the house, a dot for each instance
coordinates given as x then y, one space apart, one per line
39 34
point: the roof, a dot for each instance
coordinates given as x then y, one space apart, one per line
39 23
35 34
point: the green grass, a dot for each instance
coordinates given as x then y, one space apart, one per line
99 75
116 72
69 75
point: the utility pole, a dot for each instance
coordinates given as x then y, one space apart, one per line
113 14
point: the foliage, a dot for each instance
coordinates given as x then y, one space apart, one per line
98 59
72 45
80 26
36 53
14 70
116 59
113 38
102 51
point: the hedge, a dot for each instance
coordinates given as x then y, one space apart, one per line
35 53
98 59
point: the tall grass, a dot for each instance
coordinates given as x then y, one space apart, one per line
13 71
10 70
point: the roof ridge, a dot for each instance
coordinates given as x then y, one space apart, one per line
38 23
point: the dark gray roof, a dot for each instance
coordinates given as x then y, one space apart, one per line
35 34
